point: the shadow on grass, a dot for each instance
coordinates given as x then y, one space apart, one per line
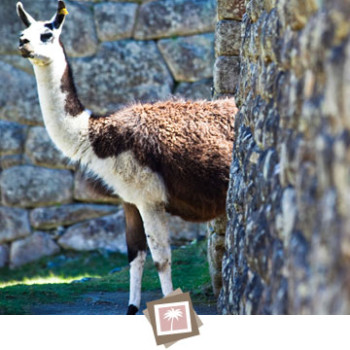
49 280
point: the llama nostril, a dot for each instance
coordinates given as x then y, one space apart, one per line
23 42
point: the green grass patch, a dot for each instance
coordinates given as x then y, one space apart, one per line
49 280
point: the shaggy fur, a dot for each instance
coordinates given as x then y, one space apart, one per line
188 143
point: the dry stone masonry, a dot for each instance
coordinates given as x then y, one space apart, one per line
226 75
287 245
121 52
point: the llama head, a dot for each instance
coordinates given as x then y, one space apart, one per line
40 40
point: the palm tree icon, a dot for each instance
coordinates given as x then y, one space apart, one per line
172 314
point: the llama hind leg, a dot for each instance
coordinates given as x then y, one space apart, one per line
157 234
136 243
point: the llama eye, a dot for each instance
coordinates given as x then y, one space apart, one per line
45 37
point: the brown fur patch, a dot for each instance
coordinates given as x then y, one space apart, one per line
161 267
135 233
188 143
73 106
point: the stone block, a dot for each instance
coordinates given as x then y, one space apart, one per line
254 9
4 255
106 233
12 137
79 35
199 90
231 9
226 74
66 215
29 186
189 58
115 21
298 12
168 18
228 38
14 224
42 151
32 248
216 230
182 232
216 248
18 97
138 70
270 37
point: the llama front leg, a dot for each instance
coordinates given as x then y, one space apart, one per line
136 243
157 234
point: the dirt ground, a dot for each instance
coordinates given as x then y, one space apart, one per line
103 303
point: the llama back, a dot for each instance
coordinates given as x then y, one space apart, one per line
189 144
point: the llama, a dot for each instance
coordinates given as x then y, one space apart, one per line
163 157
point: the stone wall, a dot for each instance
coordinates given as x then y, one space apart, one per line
120 51
287 248
225 79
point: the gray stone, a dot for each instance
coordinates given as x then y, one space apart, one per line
216 230
199 90
79 33
11 160
288 198
85 190
183 232
42 151
14 224
189 58
65 215
226 74
289 213
18 97
4 255
228 38
216 248
107 233
166 18
29 186
109 80
12 136
18 62
32 248
115 21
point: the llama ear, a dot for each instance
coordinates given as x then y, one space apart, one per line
26 18
60 15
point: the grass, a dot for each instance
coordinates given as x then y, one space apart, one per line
49 280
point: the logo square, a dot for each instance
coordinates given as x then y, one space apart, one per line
173 318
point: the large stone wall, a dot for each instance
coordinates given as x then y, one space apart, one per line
287 245
120 51
225 79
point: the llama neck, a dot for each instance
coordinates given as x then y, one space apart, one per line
65 118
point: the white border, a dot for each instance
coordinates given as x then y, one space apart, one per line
236 332
173 305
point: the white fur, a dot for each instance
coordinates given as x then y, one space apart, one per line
136 270
70 135
157 233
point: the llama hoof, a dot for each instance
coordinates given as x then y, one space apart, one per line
132 310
